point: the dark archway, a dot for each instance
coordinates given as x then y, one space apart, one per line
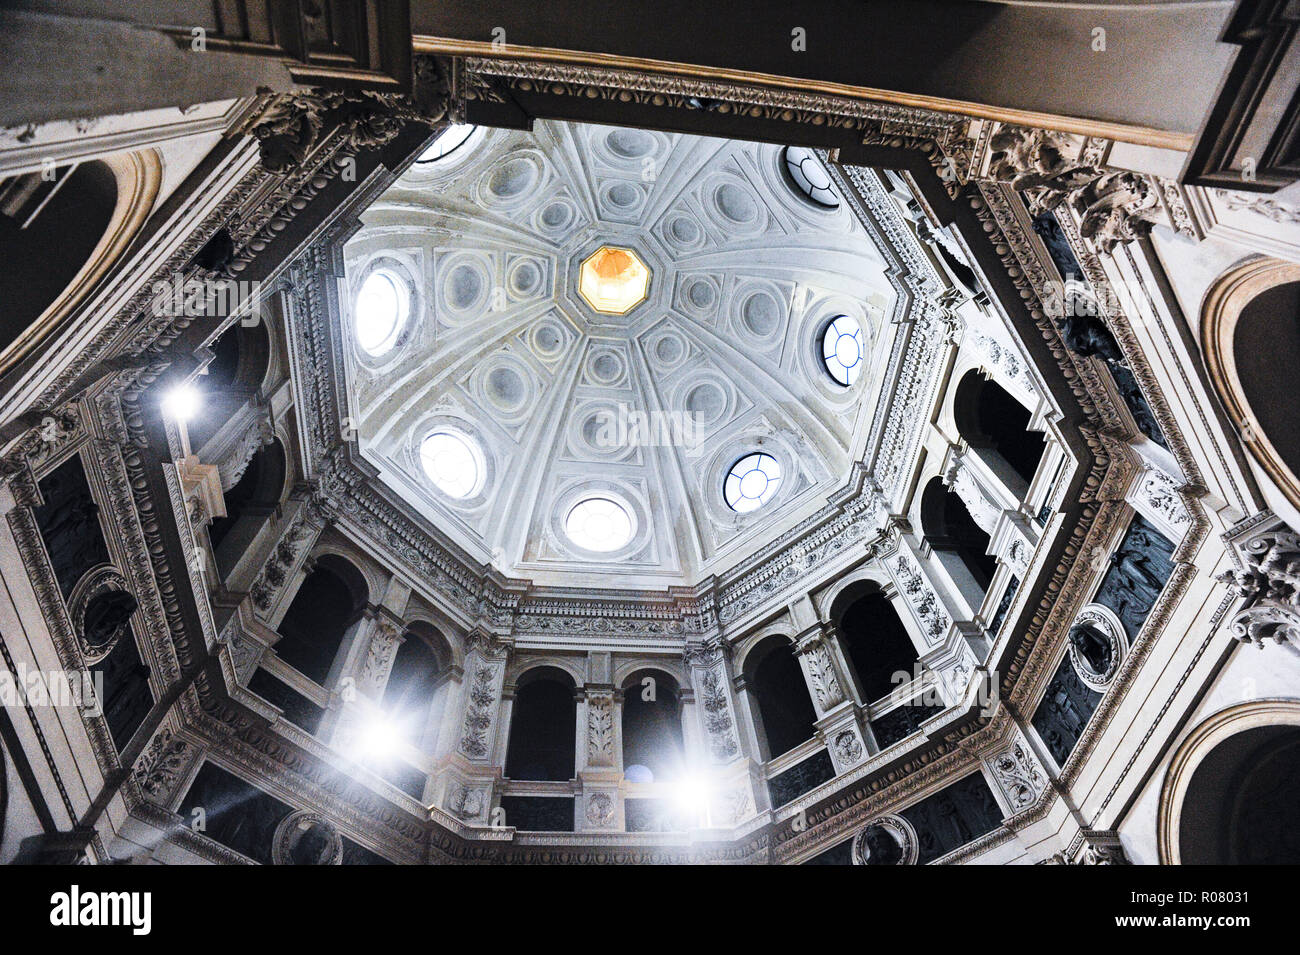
418 673
996 425
252 500
1266 347
327 605
874 640
543 724
49 228
652 727
1242 806
955 537
785 709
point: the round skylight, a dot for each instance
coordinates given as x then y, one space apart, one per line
842 349
448 141
809 176
599 524
752 482
379 312
453 463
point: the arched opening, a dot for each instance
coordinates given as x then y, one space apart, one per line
1266 347
996 425
415 681
543 723
1242 805
958 542
50 224
653 749
1250 328
241 359
874 640
785 710
326 607
249 503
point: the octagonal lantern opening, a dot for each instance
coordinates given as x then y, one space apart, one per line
613 280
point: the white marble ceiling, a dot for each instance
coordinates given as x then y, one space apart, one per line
721 359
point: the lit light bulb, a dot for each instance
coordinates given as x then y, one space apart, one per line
182 403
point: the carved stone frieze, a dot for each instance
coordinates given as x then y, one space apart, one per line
1018 774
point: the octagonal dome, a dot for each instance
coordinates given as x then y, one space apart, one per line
702 346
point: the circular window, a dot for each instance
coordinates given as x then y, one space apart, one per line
453 463
842 349
448 141
599 523
809 176
380 311
752 482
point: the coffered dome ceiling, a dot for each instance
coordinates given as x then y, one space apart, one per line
587 312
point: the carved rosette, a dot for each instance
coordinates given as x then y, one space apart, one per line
601 810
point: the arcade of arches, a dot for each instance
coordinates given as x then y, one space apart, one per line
437 456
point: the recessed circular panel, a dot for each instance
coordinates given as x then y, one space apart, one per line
752 482
453 462
599 524
736 204
761 314
842 349
630 143
512 178
506 388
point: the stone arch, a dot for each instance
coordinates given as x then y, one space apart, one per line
652 732
995 424
875 641
782 707
1245 757
89 214
1251 335
542 744
326 609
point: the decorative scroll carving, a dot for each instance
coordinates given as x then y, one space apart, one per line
919 595
276 572
600 729
292 125
717 717
160 767
821 674
1019 776
1267 578
384 641
963 483
1052 168
1158 492
480 712
1265 206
